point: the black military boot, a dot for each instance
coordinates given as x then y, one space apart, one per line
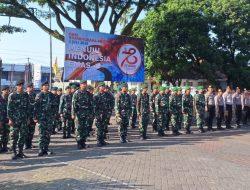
188 131
21 154
123 139
64 134
69 133
15 155
79 144
83 144
4 148
99 143
41 152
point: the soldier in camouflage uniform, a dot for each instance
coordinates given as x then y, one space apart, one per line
161 108
167 95
82 104
199 105
123 111
143 107
111 104
4 127
187 109
73 90
44 118
179 94
175 110
17 111
65 112
55 108
59 120
152 102
91 117
101 106
134 109
31 123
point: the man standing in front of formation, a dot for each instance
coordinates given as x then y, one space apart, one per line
17 111
187 109
123 112
199 105
143 107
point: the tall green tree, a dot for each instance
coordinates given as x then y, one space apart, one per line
75 13
178 42
230 24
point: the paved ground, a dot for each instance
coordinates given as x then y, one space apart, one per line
215 160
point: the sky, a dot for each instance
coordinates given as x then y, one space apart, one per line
34 44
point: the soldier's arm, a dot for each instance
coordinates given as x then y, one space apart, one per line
139 104
10 107
117 104
1 111
62 104
96 103
73 108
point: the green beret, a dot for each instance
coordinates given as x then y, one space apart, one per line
162 88
83 81
167 87
174 89
30 84
73 86
199 88
187 87
179 88
155 87
101 84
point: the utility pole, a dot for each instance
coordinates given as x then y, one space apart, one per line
50 46
1 68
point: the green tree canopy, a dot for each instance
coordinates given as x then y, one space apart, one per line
75 13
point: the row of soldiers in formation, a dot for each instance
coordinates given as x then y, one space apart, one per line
22 110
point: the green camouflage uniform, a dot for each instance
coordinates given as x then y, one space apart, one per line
4 129
123 108
65 110
42 113
187 109
111 105
91 115
17 111
143 107
166 124
134 110
31 123
161 108
199 103
82 108
55 109
101 107
152 102
175 110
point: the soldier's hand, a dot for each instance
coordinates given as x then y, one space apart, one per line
73 117
206 109
61 115
10 122
35 120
